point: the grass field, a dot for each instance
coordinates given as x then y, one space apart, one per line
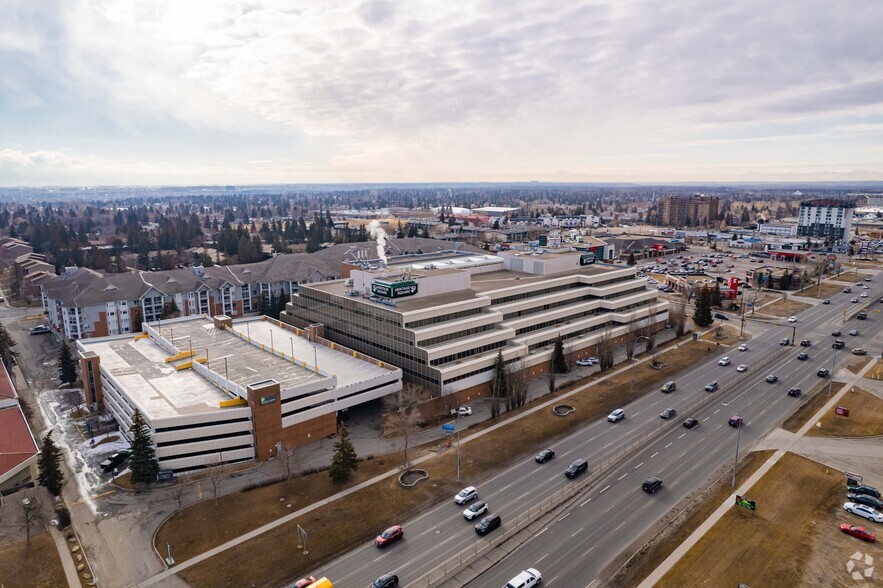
35 565
865 417
784 308
858 364
828 290
792 539
818 396
876 372
357 517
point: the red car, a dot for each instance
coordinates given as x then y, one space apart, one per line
859 532
304 582
393 533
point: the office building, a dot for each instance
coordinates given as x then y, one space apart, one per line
697 210
826 218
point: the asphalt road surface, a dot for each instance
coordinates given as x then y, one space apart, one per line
614 512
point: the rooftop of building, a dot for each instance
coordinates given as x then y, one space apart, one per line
17 443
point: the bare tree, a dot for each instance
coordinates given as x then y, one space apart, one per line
407 418
605 348
650 329
677 315
290 462
176 494
634 331
518 384
214 477
31 517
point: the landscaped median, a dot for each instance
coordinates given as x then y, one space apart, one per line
863 419
272 557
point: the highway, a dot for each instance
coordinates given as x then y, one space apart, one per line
614 512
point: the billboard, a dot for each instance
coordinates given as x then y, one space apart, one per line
394 289
587 258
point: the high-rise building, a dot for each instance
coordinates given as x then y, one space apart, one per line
696 210
826 218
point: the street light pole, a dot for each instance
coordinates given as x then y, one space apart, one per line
831 378
634 362
736 461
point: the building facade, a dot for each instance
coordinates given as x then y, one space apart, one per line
697 210
19 450
826 218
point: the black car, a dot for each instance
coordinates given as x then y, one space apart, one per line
805 343
114 460
826 302
690 423
721 316
651 485
838 344
794 392
836 333
576 468
389 580
869 490
803 357
668 413
822 373
865 499
488 524
861 316
544 456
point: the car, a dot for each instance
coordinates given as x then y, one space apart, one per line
863 315
869 490
40 330
393 533
866 499
847 290
772 378
724 361
806 343
854 333
859 532
794 392
616 415
742 368
854 300
585 362
823 373
859 351
462 411
863 510
544 456
802 356
668 413
711 386
389 580
858 283
303 582
668 387
488 524
690 423
868 278
478 507
792 319
743 347
651 485
785 341
735 421
836 333
526 579
578 467
838 344
864 295
826 301
864 287
721 316
466 494
114 460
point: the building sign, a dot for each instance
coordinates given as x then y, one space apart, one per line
544 240
269 399
587 258
394 289
745 503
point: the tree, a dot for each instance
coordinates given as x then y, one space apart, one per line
716 298
7 353
634 331
345 460
290 462
517 382
170 310
650 330
605 349
143 461
407 418
499 385
631 258
67 368
785 281
559 362
677 314
51 477
702 312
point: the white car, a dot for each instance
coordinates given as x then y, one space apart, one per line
526 579
742 368
864 294
475 509
792 319
724 361
616 415
462 411
589 361
864 511
743 347
466 494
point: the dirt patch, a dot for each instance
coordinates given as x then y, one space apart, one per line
827 291
665 542
858 364
784 308
792 539
812 403
865 417
728 336
876 372
37 564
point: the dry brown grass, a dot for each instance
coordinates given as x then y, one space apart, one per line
653 554
37 564
812 402
766 547
730 336
865 417
357 517
828 290
876 372
857 364
784 308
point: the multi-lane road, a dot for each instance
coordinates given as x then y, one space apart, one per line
611 514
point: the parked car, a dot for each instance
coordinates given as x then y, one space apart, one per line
478 507
668 387
869 490
772 378
393 533
526 579
586 362
859 532
668 413
735 421
859 351
690 423
806 343
742 368
822 373
651 485
743 347
462 411
864 511
578 467
724 361
114 460
711 386
544 456
389 580
794 392
866 499
40 330
792 319
488 524
721 316
616 415
466 494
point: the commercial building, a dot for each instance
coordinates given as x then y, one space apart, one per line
219 391
443 318
697 210
779 229
19 450
826 218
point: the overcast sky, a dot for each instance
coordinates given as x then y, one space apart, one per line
272 91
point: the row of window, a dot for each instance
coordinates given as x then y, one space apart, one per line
467 353
452 316
457 335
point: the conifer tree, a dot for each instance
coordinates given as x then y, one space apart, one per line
345 460
716 298
631 259
7 353
559 363
702 313
142 461
67 368
51 477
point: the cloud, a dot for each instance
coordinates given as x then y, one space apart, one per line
41 159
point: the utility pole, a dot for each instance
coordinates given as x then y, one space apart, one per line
736 461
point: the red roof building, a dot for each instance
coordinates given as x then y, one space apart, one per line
18 448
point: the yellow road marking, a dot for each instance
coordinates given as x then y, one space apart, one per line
199 488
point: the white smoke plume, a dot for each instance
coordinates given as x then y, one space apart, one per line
378 234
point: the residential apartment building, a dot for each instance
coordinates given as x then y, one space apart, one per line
826 218
19 450
696 210
443 318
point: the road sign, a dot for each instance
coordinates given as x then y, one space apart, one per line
449 427
745 503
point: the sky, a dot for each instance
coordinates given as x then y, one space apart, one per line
172 92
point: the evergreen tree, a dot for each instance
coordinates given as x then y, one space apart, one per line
631 260
143 461
51 477
344 461
67 370
7 353
559 363
702 314
716 298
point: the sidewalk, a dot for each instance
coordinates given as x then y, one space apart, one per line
783 442
67 560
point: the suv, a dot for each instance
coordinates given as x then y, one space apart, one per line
805 343
822 373
838 344
488 524
389 580
651 485
527 579
576 468
735 421
39 330
114 460
862 315
711 386
785 341
616 415
668 413
669 387
869 490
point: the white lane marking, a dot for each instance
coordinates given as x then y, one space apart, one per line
523 495
382 556
654 455
587 553
536 470
639 465
542 558
717 411
672 484
541 532
669 445
624 475
694 467
636 414
683 454
604 489
706 418
609 508
564 517
585 502
505 487
682 435
618 527
578 532
552 580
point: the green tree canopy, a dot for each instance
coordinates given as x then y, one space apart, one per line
51 477
143 461
559 363
67 367
702 313
345 460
